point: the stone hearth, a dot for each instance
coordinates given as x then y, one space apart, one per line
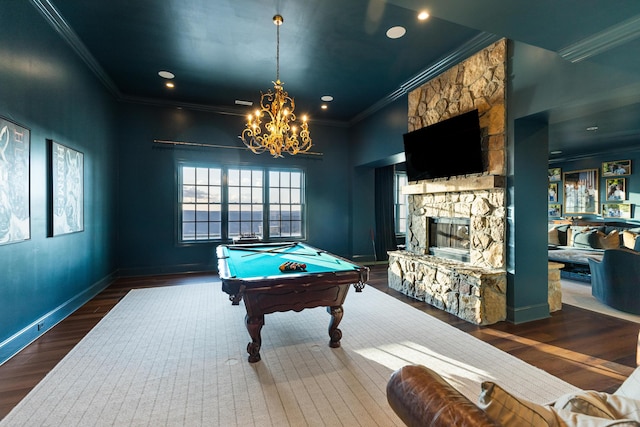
474 294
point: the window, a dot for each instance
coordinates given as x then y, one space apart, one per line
201 203
401 203
245 187
285 204
219 203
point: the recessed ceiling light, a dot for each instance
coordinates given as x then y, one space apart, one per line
327 98
592 128
242 102
166 74
324 106
556 152
170 85
423 15
396 32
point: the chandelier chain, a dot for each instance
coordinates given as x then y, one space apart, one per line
277 52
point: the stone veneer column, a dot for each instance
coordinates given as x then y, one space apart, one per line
476 83
474 291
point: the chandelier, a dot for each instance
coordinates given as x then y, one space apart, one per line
277 110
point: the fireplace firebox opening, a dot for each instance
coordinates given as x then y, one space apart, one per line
449 237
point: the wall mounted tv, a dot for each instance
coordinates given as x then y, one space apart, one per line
451 147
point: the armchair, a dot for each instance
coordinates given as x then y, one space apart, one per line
615 281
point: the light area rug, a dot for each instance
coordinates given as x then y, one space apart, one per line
176 356
579 295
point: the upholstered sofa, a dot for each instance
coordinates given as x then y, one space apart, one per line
420 397
592 235
615 280
574 245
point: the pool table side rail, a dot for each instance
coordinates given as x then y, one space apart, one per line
235 286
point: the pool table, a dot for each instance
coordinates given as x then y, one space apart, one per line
251 272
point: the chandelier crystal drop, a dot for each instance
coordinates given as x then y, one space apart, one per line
281 134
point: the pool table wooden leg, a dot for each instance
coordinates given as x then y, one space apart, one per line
254 325
334 333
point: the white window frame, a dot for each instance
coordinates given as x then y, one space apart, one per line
401 203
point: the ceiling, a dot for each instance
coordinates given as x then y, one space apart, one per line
225 50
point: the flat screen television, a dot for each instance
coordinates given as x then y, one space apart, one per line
451 147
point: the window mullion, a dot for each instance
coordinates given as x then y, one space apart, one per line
225 204
265 205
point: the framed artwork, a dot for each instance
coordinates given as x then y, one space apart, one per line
553 192
581 192
616 189
66 190
15 210
618 167
555 174
555 210
616 210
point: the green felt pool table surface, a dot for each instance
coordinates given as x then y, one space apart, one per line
255 261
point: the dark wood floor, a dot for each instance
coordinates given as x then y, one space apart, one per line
584 348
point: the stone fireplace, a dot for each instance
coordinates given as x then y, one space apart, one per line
473 288
478 202
464 273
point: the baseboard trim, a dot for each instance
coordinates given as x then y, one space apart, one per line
528 314
18 341
362 259
167 269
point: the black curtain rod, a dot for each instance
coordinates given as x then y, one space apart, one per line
200 144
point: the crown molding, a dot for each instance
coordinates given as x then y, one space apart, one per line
53 17
610 38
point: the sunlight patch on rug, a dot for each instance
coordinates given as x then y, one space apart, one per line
396 355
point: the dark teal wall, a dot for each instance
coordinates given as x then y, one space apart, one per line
526 260
542 80
148 184
44 86
376 141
